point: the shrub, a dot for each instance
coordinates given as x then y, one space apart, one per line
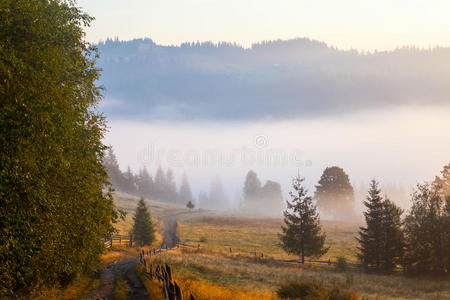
341 264
308 290
313 290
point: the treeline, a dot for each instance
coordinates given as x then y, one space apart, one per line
162 187
419 241
260 199
267 80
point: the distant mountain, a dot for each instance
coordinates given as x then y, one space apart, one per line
275 79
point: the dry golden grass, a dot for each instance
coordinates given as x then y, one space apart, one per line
247 235
80 289
241 274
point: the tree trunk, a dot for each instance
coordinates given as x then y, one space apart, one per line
303 254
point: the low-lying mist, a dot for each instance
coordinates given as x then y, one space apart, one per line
398 147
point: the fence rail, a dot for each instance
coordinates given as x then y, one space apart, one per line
117 239
161 273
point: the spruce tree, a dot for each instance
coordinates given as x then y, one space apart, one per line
159 184
143 231
185 194
170 192
145 183
393 240
381 243
371 237
302 233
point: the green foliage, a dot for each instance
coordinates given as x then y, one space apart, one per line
302 231
334 193
341 264
381 241
427 230
313 290
190 205
143 231
53 211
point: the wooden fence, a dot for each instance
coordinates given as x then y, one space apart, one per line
116 239
162 274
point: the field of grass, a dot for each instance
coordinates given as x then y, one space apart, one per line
252 276
246 235
214 273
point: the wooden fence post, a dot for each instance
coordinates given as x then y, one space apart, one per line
178 295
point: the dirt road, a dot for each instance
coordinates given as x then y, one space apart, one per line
126 268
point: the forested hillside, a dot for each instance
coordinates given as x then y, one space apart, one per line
278 79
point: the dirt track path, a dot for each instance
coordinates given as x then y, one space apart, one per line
127 268
170 237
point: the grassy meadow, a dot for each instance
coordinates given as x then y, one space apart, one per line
246 235
212 272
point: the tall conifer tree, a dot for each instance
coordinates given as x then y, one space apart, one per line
143 231
302 233
371 237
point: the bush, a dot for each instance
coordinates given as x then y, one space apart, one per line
313 290
341 264
308 290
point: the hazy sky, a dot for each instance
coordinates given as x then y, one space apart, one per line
361 24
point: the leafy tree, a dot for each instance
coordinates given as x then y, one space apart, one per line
252 186
334 193
143 231
446 235
53 211
302 233
261 200
443 183
185 193
272 197
190 205
427 231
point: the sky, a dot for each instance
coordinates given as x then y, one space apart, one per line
359 24
403 144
